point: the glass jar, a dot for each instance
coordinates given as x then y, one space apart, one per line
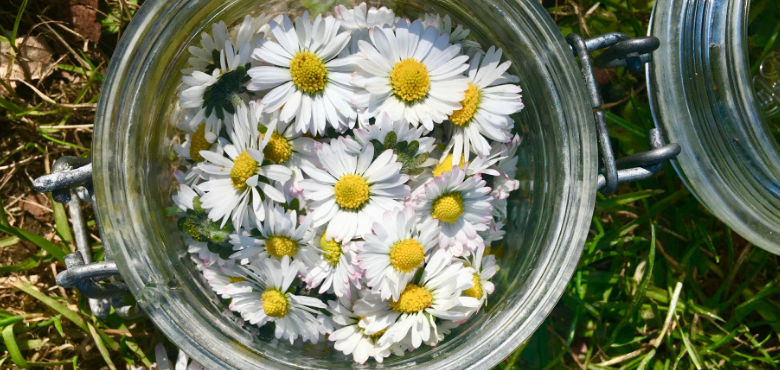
702 95
548 221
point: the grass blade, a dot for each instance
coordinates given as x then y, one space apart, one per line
136 350
57 306
9 241
13 349
692 352
38 240
61 223
3 216
641 290
17 21
101 347
25 265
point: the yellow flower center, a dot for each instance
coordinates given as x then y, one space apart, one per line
406 255
351 191
198 142
414 298
410 80
278 149
470 103
446 165
376 335
280 246
244 167
236 279
308 72
331 250
275 303
476 290
448 207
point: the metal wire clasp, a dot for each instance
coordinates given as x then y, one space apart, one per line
621 51
70 182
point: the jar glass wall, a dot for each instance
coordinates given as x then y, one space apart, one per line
133 177
763 24
702 95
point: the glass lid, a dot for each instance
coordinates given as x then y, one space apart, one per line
701 85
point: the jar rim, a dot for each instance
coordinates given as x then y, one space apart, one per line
121 211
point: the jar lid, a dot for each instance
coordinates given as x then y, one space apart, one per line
702 95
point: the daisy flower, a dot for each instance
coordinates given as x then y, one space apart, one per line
289 148
457 33
361 17
280 236
225 280
163 363
309 83
401 129
206 57
484 267
494 232
505 182
194 142
359 20
351 190
270 301
481 165
350 338
411 72
437 294
198 230
486 107
395 250
218 74
460 205
185 198
337 268
236 181
194 118
201 250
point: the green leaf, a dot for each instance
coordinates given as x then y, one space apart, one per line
13 349
58 325
390 140
418 160
38 240
400 147
378 148
412 149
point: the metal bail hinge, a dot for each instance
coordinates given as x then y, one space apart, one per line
70 182
621 51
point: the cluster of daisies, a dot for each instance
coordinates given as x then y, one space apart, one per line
344 176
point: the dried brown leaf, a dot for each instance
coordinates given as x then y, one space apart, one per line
35 56
38 206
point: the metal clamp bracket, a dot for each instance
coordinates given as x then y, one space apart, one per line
621 51
70 182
